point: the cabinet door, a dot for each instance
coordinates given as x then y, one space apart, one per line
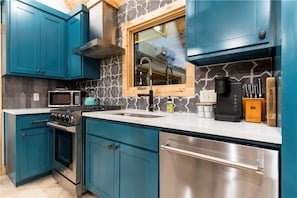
52 52
137 172
34 149
24 39
100 166
74 40
77 34
216 26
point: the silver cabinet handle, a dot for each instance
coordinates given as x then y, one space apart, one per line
262 34
39 121
110 146
113 147
24 135
217 160
116 147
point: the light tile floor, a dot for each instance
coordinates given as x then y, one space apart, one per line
43 188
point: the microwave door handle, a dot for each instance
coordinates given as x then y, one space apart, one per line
71 129
213 159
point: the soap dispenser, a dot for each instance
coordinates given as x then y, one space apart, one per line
170 105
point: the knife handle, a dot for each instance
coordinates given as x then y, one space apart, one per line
260 87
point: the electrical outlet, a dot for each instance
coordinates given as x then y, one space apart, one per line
208 96
35 96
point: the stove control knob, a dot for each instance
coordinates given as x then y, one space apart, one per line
58 117
53 116
67 118
62 118
72 120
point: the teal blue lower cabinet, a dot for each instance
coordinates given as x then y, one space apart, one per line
100 167
28 147
34 151
116 169
138 172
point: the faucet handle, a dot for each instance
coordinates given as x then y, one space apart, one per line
153 107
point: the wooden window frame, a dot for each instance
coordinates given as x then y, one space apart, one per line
167 13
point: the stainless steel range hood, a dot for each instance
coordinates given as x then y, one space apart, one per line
102 30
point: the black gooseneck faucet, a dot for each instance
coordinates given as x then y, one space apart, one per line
151 93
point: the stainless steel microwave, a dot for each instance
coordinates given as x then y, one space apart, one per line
64 98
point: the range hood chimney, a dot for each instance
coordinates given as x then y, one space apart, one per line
102 33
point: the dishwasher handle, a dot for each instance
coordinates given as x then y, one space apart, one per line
257 169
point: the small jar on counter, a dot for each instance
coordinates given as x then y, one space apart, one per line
205 110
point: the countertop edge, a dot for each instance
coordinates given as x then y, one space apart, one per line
248 131
27 111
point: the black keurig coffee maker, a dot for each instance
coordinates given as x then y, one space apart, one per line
229 102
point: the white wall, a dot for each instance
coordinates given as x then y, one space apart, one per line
56 4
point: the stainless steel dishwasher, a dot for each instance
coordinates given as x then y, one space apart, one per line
193 167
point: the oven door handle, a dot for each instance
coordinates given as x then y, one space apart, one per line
39 121
71 129
213 159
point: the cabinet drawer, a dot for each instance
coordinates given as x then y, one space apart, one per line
32 121
139 136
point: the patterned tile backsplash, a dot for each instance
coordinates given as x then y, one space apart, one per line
17 92
109 87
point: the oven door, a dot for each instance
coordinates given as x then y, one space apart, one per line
67 155
64 148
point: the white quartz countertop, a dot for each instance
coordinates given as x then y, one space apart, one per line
192 123
27 111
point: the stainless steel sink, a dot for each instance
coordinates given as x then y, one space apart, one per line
139 115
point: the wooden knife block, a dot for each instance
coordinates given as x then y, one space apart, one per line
254 109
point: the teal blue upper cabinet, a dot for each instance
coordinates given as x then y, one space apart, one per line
39 42
34 40
23 45
52 54
220 31
121 160
77 34
28 147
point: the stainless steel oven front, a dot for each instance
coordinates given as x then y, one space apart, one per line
67 157
68 153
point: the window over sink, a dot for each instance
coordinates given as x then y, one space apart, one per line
159 35
164 44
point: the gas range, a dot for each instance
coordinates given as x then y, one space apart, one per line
71 116
68 146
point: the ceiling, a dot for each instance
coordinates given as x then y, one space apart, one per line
73 3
